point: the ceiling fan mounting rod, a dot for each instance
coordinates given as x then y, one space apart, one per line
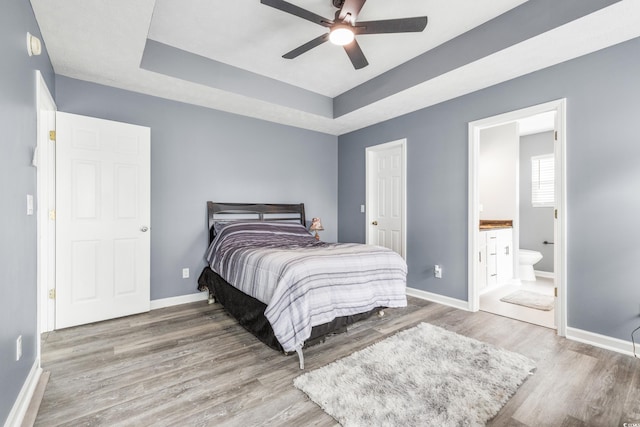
348 19
337 3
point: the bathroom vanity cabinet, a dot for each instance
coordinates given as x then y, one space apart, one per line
495 258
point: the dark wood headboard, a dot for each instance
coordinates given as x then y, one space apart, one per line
253 212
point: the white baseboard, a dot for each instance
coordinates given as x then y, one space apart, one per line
545 274
182 299
23 400
602 341
440 299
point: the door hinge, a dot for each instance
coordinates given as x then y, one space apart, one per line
52 294
52 214
555 213
555 292
52 135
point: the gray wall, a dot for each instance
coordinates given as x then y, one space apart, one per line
17 179
497 170
603 154
198 154
536 224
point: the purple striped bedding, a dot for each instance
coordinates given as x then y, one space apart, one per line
305 282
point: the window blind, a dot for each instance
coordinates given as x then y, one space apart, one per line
543 181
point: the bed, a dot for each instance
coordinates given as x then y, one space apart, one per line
283 285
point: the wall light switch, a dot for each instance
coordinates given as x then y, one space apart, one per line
19 348
185 273
361 208
437 271
29 204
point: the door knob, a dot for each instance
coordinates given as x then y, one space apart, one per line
374 223
144 228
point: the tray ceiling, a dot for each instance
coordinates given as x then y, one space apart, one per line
228 55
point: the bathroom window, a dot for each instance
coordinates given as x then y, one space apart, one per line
542 181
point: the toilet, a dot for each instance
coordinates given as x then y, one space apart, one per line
526 261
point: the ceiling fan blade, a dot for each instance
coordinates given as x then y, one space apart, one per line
298 11
352 7
356 55
306 47
401 25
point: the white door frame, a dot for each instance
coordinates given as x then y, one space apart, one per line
402 143
560 227
44 160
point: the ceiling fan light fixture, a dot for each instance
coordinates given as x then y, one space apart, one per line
343 28
341 35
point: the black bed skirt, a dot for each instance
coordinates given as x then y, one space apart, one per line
250 312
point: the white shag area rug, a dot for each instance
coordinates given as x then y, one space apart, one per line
530 299
423 376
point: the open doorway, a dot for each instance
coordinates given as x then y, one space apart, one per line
515 206
516 183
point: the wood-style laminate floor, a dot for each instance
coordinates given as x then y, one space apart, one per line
192 365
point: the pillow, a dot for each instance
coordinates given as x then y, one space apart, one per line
276 227
219 225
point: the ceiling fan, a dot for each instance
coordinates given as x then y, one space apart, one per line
344 27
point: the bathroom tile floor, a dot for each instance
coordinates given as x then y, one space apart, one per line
490 302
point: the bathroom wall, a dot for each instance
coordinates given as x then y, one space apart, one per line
536 224
497 171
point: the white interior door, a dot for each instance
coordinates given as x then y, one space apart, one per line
386 164
102 219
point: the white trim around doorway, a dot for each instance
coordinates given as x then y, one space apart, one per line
44 161
561 203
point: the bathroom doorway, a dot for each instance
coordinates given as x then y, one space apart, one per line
514 206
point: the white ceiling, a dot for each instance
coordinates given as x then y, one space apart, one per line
252 36
103 42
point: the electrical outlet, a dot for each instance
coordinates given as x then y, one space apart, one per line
185 273
437 271
19 348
